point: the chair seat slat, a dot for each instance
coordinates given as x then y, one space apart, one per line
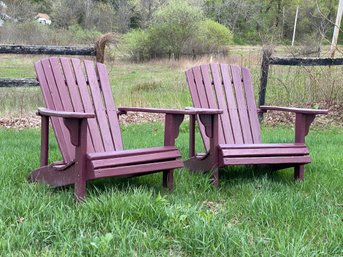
135 159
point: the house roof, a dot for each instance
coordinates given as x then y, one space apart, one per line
43 15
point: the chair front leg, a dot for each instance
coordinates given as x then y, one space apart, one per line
302 126
44 150
78 135
171 132
212 131
191 136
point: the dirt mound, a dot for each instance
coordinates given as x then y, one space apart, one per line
272 118
33 121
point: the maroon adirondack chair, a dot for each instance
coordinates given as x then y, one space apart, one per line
80 105
236 137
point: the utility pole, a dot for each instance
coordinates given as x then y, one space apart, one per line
337 29
295 24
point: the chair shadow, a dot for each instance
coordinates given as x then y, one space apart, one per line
151 182
249 173
228 176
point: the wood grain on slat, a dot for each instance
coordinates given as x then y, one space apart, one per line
265 152
56 104
241 104
196 103
135 159
76 97
212 102
268 160
117 154
88 105
56 123
99 106
200 88
220 94
61 86
231 103
130 170
207 84
252 146
203 101
251 104
110 107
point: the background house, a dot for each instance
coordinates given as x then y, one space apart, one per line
43 18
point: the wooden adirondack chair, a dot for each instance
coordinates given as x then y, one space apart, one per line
236 137
80 105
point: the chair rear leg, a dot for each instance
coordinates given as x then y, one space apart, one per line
168 179
80 190
299 172
215 177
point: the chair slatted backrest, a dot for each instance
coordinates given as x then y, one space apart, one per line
71 85
226 87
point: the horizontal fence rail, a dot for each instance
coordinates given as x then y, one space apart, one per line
49 50
305 61
98 50
39 50
18 82
268 60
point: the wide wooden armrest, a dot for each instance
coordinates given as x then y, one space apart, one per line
62 114
187 111
264 108
204 110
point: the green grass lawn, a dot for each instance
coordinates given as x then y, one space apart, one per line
253 213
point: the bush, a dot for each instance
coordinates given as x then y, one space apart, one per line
135 46
178 28
24 33
82 36
213 36
174 25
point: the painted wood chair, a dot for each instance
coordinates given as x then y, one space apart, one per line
80 105
236 138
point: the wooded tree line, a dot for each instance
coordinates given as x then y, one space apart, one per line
249 20
176 26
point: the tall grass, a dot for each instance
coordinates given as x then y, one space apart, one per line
162 83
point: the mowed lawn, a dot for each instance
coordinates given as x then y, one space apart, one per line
253 213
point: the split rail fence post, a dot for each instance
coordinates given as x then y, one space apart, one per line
267 53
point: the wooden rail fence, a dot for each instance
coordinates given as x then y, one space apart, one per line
98 51
268 59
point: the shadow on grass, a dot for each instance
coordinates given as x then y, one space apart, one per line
229 176
248 174
152 182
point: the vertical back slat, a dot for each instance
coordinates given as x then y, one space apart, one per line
211 97
220 94
75 97
54 102
61 86
241 104
233 93
252 110
231 103
196 102
56 123
88 105
200 88
110 107
99 106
